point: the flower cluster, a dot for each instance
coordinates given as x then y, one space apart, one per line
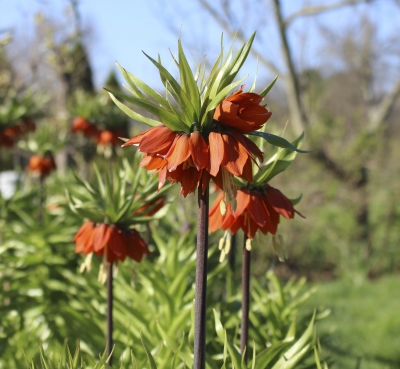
102 137
41 165
225 152
258 208
111 209
9 135
110 241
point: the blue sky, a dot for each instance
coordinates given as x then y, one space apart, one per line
122 29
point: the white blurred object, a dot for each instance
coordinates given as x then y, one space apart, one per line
8 181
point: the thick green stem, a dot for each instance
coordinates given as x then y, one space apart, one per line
201 280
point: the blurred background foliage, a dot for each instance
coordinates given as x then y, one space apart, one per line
348 105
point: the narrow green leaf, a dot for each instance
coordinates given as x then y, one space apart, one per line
168 341
137 84
221 333
135 364
302 341
234 67
269 354
183 99
167 118
188 81
277 163
150 358
278 141
264 92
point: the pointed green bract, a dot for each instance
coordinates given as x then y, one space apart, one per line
264 92
195 95
166 117
188 81
277 163
278 141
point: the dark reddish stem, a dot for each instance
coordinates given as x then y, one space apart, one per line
201 280
245 299
110 312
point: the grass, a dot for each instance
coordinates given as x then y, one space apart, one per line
363 329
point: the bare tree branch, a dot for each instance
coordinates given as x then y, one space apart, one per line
298 115
239 34
317 9
379 114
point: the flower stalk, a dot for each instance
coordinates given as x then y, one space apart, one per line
245 299
110 297
201 279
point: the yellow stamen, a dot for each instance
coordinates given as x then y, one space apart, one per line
229 188
248 244
103 267
221 243
222 207
222 256
87 264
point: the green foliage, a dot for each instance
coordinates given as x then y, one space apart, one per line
362 330
117 198
46 299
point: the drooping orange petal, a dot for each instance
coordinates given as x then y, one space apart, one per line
228 218
101 236
248 171
256 209
84 238
162 176
215 216
216 144
117 243
235 155
161 138
279 202
179 153
145 160
242 200
190 180
198 150
237 224
88 225
156 162
135 140
250 146
249 226
136 247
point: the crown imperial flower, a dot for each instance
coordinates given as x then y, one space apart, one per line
257 209
242 111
